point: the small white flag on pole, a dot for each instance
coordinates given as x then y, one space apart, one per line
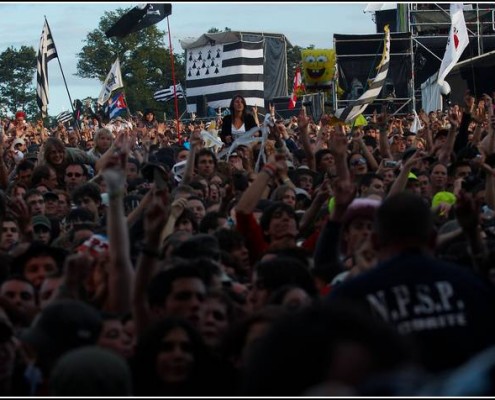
112 82
416 125
456 43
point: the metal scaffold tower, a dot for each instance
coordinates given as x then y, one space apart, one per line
429 24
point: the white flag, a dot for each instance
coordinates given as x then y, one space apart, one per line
112 82
416 125
456 43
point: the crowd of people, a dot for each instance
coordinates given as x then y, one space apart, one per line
213 258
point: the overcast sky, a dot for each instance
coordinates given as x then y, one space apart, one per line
302 23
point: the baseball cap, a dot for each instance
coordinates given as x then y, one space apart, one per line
18 141
302 192
50 195
91 371
64 325
38 220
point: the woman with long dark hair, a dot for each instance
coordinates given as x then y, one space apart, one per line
171 359
238 122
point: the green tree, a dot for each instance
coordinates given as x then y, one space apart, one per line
144 60
216 30
17 71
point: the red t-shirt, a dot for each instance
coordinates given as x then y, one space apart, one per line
255 241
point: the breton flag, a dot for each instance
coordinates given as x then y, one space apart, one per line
140 17
456 43
64 116
168 94
298 86
357 107
46 52
116 105
220 71
113 81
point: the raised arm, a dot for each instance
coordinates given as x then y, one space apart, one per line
383 143
467 215
448 147
120 271
337 144
195 145
176 210
321 197
249 199
462 137
365 152
400 182
155 219
303 123
136 214
327 248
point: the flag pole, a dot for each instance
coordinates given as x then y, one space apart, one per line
63 75
173 80
126 104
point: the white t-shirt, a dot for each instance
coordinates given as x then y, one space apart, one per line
238 132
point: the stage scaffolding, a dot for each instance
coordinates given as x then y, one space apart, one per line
426 26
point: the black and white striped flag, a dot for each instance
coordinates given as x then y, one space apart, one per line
357 107
64 116
221 71
46 52
168 94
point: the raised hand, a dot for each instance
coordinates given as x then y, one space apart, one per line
344 192
467 212
156 216
469 101
302 121
78 268
178 207
161 128
337 144
453 119
322 193
272 109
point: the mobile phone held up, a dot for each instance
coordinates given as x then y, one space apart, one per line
390 164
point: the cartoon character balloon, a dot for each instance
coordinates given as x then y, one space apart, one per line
319 68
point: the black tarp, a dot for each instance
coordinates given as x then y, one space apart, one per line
359 55
475 74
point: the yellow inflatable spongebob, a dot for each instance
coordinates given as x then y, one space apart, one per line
319 68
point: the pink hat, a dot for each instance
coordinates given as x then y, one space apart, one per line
360 208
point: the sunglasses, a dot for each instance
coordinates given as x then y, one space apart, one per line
358 161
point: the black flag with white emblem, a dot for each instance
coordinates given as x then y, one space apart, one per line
140 17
